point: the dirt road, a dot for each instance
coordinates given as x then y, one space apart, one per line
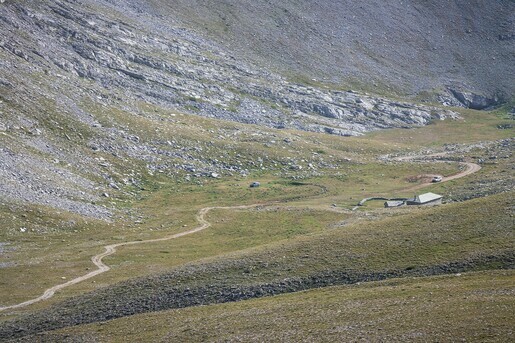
111 249
470 168
204 224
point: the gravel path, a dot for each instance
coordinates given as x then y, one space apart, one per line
204 224
470 168
111 249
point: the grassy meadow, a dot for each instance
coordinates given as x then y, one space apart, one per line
305 226
470 307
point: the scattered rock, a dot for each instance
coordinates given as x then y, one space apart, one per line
475 101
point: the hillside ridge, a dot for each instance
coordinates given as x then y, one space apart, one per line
442 49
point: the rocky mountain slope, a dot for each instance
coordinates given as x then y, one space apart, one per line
137 56
125 122
71 73
453 48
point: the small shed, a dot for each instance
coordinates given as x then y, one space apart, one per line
426 199
395 203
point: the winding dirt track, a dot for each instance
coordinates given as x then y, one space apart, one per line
111 249
204 224
470 168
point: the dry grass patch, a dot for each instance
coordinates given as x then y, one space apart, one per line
476 307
